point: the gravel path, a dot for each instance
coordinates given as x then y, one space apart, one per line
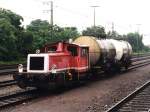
95 96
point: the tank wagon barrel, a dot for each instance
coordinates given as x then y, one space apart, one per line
106 51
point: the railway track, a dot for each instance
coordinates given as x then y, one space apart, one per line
140 58
137 101
7 83
13 82
24 95
18 97
144 63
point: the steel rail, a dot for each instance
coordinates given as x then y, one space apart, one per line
117 106
139 65
7 83
140 58
13 82
19 96
25 95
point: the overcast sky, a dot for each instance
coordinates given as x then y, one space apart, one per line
127 15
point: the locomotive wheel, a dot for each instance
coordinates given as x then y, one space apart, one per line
60 80
22 84
126 67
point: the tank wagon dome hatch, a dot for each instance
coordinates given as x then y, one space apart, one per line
94 48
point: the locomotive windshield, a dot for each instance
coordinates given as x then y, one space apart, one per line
72 50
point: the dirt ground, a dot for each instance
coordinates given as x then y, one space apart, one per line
95 96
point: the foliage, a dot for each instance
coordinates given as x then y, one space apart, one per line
96 31
114 35
11 35
16 42
135 39
64 33
40 31
24 43
44 33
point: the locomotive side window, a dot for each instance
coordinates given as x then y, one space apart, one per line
73 50
84 52
52 49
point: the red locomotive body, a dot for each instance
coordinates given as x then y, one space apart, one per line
56 63
67 57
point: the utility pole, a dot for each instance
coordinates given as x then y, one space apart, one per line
112 27
112 30
51 16
51 19
138 30
51 13
94 13
50 3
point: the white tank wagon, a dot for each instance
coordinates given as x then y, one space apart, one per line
107 53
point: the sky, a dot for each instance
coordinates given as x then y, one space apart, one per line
126 15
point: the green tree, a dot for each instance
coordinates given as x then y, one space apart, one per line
64 33
12 35
42 33
24 43
9 30
96 31
114 35
135 39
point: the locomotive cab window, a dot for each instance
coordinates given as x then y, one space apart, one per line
73 50
84 52
52 48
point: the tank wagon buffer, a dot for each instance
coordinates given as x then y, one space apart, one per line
59 63
108 55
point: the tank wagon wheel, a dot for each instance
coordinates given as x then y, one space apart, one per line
126 67
118 69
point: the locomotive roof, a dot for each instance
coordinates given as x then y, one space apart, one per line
53 43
